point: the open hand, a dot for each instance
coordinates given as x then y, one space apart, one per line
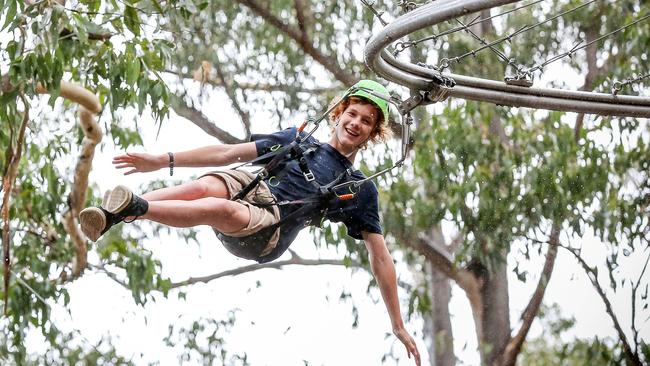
411 348
139 162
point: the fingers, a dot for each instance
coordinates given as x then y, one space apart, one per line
124 159
116 161
128 156
125 162
411 347
123 165
416 354
138 162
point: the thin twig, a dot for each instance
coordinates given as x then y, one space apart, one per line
8 181
515 343
632 357
49 307
635 331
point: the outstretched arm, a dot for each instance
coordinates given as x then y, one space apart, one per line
383 268
208 156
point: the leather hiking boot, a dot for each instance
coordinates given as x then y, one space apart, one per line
95 221
123 203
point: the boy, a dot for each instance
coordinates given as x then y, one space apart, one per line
262 224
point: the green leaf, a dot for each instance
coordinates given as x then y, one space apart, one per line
35 28
12 50
133 71
94 5
80 28
132 20
10 16
157 6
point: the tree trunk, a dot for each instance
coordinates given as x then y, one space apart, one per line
491 313
438 330
442 338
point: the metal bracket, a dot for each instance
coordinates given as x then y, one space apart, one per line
413 101
440 90
438 93
525 80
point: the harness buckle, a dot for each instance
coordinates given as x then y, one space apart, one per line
309 176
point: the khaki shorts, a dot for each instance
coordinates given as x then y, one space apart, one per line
235 180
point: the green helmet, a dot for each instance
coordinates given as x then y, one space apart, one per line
381 103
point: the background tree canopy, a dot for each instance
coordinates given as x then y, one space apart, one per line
490 194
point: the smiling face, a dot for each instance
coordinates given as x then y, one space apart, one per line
354 127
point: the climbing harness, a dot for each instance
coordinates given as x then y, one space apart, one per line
299 148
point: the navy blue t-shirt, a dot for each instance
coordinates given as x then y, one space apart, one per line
358 214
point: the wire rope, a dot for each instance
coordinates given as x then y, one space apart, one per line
426 78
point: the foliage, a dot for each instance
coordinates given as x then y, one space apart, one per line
257 60
64 349
549 348
106 46
496 194
203 341
109 48
495 177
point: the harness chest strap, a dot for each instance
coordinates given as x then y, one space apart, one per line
316 204
293 151
301 151
280 156
276 156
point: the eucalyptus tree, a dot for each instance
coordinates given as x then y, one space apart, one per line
94 56
506 179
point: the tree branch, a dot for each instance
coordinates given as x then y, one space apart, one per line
244 115
110 275
635 331
455 243
632 357
513 347
8 180
442 261
198 118
5 85
592 71
304 18
265 87
89 106
329 63
438 256
294 260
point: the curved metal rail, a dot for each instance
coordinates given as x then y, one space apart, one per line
420 78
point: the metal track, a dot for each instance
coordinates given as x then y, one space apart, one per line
420 78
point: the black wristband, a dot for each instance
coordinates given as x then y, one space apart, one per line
171 163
